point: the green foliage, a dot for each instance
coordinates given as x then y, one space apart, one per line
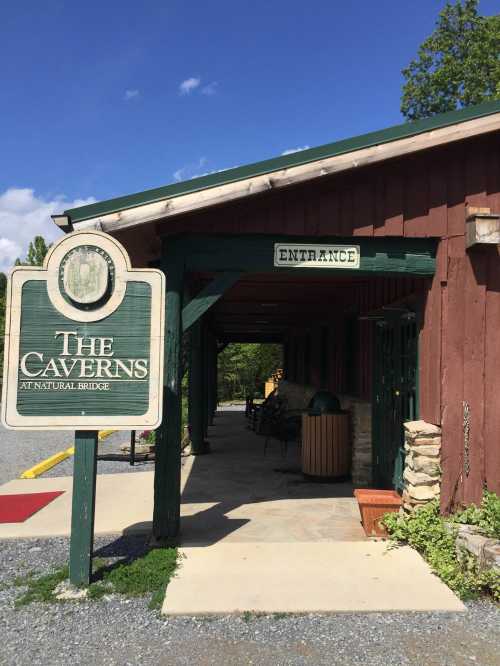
3 290
148 437
37 250
244 368
41 588
486 516
425 530
457 66
149 574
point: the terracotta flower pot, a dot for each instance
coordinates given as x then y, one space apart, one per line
373 505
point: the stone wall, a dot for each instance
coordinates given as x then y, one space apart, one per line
361 437
422 473
470 538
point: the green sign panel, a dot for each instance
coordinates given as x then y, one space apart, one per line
84 340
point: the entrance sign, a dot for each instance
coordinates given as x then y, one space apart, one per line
84 340
298 255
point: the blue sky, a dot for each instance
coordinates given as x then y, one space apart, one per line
100 99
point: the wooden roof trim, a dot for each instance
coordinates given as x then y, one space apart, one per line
162 210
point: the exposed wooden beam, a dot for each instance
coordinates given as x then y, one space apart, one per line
209 295
255 253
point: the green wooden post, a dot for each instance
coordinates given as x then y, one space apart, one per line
214 375
196 388
216 378
167 493
206 361
210 378
83 508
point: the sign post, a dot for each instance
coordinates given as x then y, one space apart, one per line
84 351
83 507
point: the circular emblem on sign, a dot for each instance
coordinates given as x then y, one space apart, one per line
85 275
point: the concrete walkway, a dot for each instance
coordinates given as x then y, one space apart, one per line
300 577
255 535
274 543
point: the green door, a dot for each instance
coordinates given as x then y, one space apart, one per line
395 394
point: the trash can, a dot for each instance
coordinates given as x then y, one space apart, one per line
326 449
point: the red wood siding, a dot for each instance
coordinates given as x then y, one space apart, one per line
421 195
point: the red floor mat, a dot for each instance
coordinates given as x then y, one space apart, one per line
17 508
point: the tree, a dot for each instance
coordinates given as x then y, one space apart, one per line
3 290
457 66
243 369
37 250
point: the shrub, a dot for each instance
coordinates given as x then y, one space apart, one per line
426 531
486 516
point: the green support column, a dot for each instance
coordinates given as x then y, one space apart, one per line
83 507
214 374
196 389
167 493
211 375
206 380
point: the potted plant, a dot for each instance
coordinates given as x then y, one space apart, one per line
147 440
373 505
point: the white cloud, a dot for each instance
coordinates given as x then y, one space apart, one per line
131 94
24 216
190 170
210 89
188 85
289 151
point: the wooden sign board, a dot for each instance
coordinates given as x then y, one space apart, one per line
307 255
84 340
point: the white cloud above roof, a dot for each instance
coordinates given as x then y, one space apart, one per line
23 215
190 170
289 151
131 93
210 89
188 85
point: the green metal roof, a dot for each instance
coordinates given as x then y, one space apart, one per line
283 162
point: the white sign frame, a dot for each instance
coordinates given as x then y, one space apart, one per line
124 273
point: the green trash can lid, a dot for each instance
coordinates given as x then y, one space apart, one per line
324 402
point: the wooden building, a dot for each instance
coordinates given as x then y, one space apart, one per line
411 326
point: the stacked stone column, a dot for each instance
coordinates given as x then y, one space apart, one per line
422 473
361 437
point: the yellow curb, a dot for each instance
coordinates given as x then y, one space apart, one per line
57 458
46 464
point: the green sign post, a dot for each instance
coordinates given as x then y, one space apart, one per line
84 351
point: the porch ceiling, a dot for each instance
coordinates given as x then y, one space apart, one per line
264 307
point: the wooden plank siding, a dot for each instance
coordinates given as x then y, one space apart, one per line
420 195
492 375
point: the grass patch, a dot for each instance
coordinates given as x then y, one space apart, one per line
40 588
148 574
248 616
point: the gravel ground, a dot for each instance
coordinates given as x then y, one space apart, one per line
124 631
21 450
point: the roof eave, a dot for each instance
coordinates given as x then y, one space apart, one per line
276 180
